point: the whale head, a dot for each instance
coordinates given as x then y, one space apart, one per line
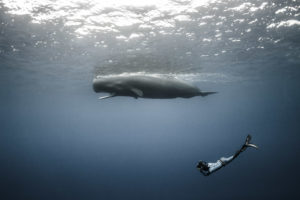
105 85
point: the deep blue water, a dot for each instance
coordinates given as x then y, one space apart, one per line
58 141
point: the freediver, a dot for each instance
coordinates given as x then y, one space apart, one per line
208 168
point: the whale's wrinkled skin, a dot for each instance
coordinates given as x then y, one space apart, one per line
142 86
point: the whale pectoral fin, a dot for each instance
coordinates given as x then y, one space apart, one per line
138 92
108 96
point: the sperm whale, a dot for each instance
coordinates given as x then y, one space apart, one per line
145 86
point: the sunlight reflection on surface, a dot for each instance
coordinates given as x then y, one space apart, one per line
158 36
106 16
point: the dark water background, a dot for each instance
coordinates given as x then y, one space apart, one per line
58 141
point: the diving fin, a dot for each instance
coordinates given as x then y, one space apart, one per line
248 144
252 145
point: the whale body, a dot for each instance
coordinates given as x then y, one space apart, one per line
142 86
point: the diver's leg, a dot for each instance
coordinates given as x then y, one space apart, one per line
227 160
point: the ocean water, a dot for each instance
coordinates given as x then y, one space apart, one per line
58 141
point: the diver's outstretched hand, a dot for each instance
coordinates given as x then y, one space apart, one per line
248 144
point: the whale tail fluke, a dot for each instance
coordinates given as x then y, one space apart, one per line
204 94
